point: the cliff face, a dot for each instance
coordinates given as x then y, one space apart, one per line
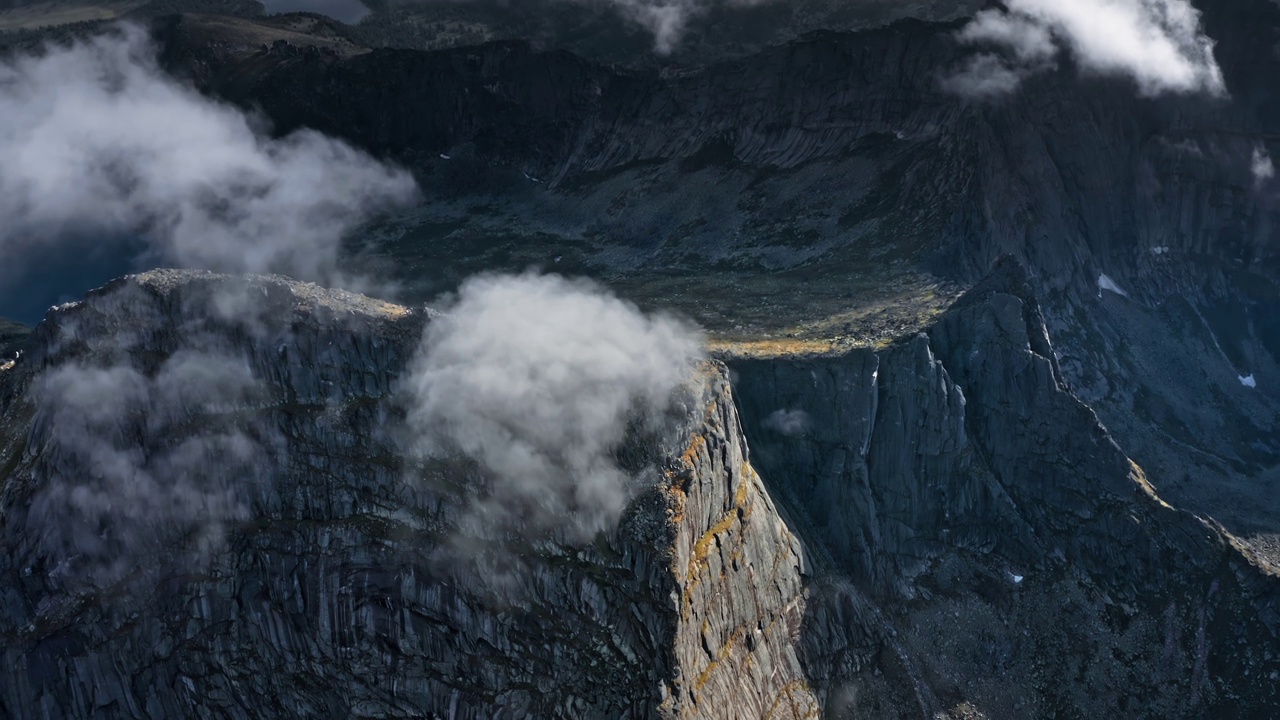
1073 173
936 527
12 338
332 586
955 478
840 160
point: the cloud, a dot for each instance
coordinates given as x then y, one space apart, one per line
1261 166
97 141
985 76
791 423
1157 43
538 380
142 464
669 19
122 481
1029 40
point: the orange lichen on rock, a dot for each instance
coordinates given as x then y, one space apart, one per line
1138 476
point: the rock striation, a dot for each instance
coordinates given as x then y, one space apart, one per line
938 527
330 593
1075 175
955 475
841 155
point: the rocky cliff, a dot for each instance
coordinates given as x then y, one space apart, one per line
12 338
224 517
823 174
1073 173
955 477
332 588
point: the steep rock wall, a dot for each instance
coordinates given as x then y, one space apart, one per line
954 479
341 589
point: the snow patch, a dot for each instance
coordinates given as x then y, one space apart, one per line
445 157
1106 283
1160 250
1017 579
1248 381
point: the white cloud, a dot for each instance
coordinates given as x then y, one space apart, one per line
1157 43
537 379
1261 165
122 481
669 19
97 141
1029 40
791 423
983 76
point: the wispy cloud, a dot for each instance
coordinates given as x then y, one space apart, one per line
1159 44
122 482
1261 166
143 453
668 20
984 76
791 423
98 141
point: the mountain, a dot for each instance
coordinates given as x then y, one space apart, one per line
909 543
782 193
991 426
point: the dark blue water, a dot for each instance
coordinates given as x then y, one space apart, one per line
51 274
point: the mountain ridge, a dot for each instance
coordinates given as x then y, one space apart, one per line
714 539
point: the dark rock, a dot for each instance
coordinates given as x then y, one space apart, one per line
945 527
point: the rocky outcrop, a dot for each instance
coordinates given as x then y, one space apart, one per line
955 478
840 155
339 586
1074 175
13 338
939 526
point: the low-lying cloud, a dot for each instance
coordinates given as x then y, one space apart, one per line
145 451
125 479
791 423
668 20
538 380
1159 44
98 142
1260 165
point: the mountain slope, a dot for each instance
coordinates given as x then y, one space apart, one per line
833 177
339 589
944 508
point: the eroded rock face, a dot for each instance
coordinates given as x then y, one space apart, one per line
1073 174
956 480
337 587
939 526
841 155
